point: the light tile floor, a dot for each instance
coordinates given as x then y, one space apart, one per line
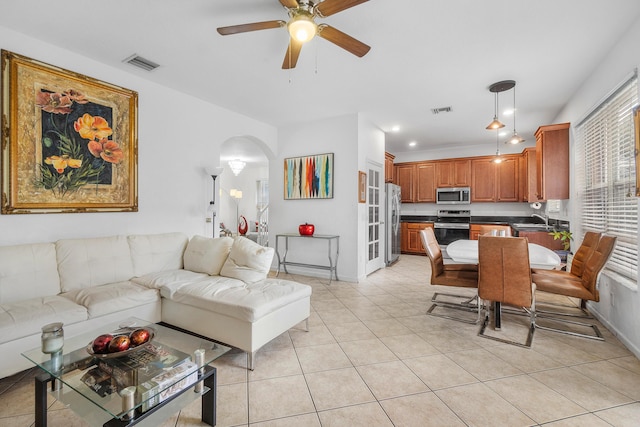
372 357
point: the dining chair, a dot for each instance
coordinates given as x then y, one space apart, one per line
584 289
495 230
504 277
458 275
582 255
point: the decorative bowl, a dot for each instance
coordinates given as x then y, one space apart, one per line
124 331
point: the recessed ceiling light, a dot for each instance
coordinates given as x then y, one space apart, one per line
413 144
503 133
395 128
508 112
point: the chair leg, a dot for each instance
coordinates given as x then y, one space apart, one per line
466 305
530 333
581 311
598 335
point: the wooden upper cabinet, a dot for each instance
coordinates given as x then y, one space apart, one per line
425 182
495 182
404 176
552 162
388 167
483 180
507 179
528 183
453 173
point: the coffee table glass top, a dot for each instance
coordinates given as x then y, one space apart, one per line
87 375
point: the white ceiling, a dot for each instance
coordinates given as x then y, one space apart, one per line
425 54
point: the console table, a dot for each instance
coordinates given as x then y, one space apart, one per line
329 239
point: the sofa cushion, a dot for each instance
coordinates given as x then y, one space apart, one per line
84 263
207 255
247 261
248 302
28 271
27 317
172 277
111 298
156 252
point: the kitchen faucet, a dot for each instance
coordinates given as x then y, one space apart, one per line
544 218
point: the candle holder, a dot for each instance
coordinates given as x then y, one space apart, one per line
52 342
128 396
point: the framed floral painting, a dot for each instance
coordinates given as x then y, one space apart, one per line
69 142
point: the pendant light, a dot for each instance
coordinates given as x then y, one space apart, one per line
515 138
497 88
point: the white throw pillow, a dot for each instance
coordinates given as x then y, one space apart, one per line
206 255
247 261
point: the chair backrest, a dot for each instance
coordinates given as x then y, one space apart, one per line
596 263
495 230
583 253
504 272
434 253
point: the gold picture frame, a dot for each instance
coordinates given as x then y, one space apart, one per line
362 187
69 142
636 120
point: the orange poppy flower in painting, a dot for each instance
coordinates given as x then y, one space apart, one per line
108 150
56 103
90 127
60 163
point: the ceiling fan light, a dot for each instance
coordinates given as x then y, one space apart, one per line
302 28
236 166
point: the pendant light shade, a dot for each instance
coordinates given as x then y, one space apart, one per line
495 123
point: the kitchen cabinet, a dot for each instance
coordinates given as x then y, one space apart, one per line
552 162
410 241
388 167
542 238
528 182
453 173
425 183
494 182
416 181
404 177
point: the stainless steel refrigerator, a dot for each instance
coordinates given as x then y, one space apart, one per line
392 223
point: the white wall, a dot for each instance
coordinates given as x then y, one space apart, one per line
246 206
336 216
174 189
619 306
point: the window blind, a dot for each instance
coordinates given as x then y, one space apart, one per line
605 176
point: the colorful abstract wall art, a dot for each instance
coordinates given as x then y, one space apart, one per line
308 177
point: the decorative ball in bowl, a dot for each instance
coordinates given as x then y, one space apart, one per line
306 229
121 342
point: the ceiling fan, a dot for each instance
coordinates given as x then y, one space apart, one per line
302 27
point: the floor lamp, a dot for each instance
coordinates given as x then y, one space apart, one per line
237 195
214 174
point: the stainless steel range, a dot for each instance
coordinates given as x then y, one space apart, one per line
451 225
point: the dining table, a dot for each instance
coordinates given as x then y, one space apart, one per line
466 252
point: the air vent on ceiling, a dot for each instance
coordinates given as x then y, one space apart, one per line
441 110
141 62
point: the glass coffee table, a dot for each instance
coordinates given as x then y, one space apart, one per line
143 386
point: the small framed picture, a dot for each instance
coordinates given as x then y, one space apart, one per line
362 187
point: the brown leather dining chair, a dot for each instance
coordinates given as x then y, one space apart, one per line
504 277
584 252
495 230
457 275
584 289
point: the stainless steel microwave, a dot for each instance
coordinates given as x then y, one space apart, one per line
453 196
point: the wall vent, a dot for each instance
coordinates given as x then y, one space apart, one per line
140 62
441 110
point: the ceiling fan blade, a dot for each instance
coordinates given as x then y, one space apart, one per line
343 40
293 52
290 4
330 7
243 28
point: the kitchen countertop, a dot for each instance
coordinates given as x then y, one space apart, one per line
498 220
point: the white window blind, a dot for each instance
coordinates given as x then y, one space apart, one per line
605 176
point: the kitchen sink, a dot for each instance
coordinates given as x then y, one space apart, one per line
534 226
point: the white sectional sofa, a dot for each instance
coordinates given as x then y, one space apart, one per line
217 288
